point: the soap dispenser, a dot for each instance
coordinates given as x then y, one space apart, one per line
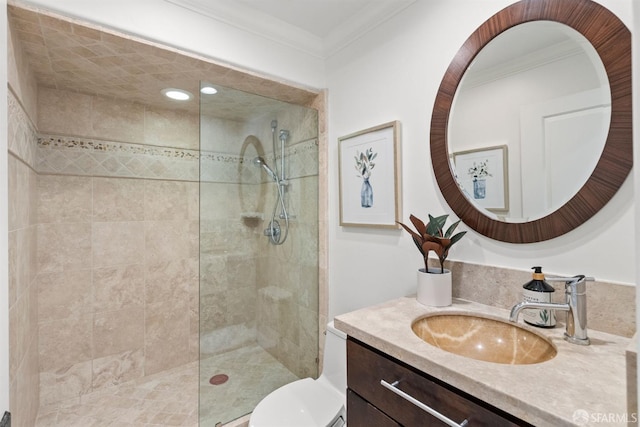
537 290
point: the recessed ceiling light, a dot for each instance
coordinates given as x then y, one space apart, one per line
209 90
177 94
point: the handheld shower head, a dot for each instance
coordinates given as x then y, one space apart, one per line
259 161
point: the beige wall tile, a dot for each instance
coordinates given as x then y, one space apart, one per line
167 335
241 270
171 128
65 342
117 120
64 113
167 240
12 187
194 332
118 331
20 333
65 383
64 247
170 280
63 295
213 275
24 273
12 264
64 199
117 199
117 243
19 73
33 197
217 202
118 287
193 200
32 255
166 200
21 185
117 369
26 395
213 309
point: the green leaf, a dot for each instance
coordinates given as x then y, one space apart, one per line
436 224
457 237
452 228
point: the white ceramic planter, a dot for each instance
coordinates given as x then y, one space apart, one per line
434 289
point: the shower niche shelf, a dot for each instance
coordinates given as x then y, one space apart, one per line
252 219
252 215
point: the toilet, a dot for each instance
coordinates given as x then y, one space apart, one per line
308 402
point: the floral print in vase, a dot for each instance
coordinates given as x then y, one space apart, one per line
479 173
364 166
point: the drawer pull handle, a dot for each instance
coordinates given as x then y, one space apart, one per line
421 405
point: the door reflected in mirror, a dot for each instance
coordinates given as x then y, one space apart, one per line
540 90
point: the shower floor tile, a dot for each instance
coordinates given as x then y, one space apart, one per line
170 398
253 373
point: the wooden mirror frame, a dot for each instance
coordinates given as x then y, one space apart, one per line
612 40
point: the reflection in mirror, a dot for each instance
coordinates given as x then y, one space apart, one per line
540 90
542 213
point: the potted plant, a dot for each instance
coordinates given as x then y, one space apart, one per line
434 284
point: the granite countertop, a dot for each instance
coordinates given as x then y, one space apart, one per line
580 378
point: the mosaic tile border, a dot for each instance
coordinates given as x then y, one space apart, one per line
90 157
66 155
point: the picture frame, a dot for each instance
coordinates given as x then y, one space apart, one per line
483 176
369 177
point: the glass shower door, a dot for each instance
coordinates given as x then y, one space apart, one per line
258 310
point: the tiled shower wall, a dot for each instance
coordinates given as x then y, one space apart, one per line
269 293
22 199
23 290
118 281
117 252
118 246
287 275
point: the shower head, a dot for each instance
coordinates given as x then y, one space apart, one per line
259 161
284 135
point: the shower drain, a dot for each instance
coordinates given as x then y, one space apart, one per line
218 379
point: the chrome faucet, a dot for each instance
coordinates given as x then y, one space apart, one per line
575 289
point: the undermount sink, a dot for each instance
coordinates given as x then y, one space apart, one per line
483 338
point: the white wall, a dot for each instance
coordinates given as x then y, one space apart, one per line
171 25
393 73
4 222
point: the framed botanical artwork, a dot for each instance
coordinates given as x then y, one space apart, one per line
369 177
483 176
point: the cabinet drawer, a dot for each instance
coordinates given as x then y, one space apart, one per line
367 366
361 413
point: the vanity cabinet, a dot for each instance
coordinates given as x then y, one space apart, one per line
372 404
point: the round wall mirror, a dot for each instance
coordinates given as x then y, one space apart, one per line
531 129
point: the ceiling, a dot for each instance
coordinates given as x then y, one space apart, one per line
319 27
66 55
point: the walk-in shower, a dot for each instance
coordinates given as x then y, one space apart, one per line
258 296
138 256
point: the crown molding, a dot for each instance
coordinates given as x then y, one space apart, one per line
276 30
258 23
375 14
